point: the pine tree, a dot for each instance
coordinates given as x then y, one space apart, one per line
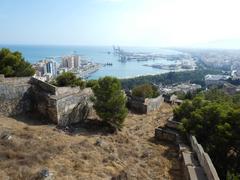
110 102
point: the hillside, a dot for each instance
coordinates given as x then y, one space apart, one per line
87 154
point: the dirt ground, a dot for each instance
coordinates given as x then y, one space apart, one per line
88 155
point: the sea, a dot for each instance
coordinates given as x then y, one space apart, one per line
98 54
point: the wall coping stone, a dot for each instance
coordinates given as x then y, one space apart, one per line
201 169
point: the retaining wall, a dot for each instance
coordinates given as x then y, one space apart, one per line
196 164
14 80
172 124
15 95
162 133
204 159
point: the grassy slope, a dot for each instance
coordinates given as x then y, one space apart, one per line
34 147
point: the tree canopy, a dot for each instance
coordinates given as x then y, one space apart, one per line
214 118
110 102
196 76
69 79
145 91
12 64
91 83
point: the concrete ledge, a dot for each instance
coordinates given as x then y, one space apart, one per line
195 173
183 147
189 159
44 86
197 164
14 80
204 159
209 168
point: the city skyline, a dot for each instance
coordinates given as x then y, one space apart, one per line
159 23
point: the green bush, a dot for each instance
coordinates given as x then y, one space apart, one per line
91 83
12 64
145 91
110 102
69 79
214 118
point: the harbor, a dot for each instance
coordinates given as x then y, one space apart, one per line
126 56
49 68
106 61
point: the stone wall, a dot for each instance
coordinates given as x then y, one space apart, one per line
43 86
195 162
15 95
67 90
63 105
204 159
165 134
144 106
73 108
14 80
154 104
172 124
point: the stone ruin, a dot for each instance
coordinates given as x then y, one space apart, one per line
62 105
143 105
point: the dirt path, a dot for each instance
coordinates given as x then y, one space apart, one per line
90 156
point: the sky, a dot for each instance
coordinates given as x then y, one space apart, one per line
121 22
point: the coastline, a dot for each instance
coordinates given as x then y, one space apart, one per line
96 54
182 70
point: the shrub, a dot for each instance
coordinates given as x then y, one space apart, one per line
145 91
110 102
91 83
12 64
214 119
69 79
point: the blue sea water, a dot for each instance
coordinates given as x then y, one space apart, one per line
33 53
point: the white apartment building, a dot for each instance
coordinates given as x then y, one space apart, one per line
71 62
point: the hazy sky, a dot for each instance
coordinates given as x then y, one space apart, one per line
123 22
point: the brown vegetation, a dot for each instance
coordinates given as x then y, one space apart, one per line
88 155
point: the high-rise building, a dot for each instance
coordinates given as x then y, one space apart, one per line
71 61
77 61
50 68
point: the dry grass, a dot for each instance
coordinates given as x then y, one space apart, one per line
133 150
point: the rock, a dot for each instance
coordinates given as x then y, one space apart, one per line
145 154
98 142
102 144
6 136
122 176
45 174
